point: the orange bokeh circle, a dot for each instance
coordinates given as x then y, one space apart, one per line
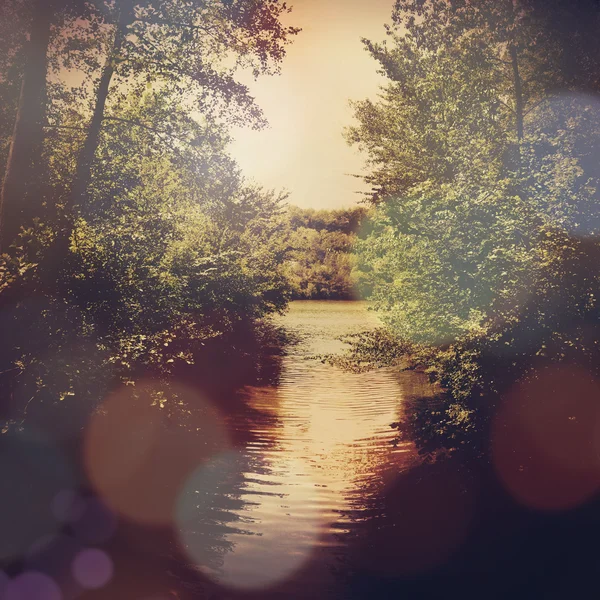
138 458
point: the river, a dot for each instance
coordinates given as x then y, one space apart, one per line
313 454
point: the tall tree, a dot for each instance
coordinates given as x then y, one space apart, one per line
192 47
479 148
17 204
47 23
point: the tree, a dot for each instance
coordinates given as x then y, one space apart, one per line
470 162
42 26
194 47
151 244
16 208
319 261
185 45
483 252
176 253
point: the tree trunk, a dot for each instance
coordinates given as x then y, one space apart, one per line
86 158
518 84
83 173
18 206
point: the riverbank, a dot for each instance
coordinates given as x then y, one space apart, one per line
258 477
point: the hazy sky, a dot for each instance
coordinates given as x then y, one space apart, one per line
303 150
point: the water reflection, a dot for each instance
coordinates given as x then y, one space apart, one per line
262 478
312 456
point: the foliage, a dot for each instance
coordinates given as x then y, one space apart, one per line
169 249
482 151
320 263
370 350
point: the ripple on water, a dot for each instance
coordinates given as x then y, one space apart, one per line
313 457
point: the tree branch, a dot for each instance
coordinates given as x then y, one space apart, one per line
157 21
50 126
139 124
158 132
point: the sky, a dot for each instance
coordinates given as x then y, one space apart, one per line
303 150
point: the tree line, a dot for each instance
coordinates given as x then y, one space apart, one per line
320 263
482 254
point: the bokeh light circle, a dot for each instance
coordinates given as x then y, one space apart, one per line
32 586
68 506
93 569
96 523
138 459
53 556
545 439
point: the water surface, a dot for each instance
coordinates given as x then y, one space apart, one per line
312 456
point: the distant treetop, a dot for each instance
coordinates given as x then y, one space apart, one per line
346 220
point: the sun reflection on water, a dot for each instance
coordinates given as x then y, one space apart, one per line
308 452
